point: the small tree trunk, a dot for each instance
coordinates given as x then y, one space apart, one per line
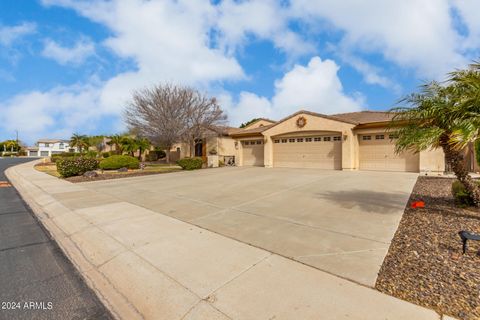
140 154
167 155
455 159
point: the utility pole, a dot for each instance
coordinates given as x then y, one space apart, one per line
17 146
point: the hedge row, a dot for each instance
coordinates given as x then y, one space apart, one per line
117 162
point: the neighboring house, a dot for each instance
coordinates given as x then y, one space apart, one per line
48 147
346 141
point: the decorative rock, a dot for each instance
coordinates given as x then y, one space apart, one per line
90 174
122 169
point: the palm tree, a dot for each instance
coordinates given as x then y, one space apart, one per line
436 118
79 141
142 145
129 145
116 140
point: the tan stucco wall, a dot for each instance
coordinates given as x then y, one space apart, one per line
432 160
226 146
314 123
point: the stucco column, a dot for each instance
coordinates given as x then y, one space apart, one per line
348 151
239 153
268 152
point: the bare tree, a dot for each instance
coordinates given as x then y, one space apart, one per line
204 118
168 114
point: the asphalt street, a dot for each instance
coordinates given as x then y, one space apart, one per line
37 281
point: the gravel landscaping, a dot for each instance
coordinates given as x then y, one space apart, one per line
425 264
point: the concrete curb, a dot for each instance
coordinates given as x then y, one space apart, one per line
153 266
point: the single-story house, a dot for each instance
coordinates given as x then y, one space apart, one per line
345 141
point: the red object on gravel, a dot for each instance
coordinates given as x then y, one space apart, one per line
417 204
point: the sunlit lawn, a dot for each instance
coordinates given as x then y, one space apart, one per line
151 168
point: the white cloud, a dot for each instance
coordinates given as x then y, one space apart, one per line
196 43
75 55
56 113
468 11
9 34
314 87
168 40
410 33
265 19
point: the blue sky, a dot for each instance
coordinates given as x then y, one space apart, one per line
70 66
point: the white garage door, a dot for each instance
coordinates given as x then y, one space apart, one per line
252 153
377 152
321 152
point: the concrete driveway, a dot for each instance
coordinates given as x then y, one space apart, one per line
339 222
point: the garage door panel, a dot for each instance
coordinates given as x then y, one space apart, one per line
379 154
313 154
253 154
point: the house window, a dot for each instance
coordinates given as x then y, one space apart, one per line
327 138
366 137
316 139
379 137
392 136
259 141
246 143
291 140
284 140
337 138
300 140
47 145
276 141
308 139
61 146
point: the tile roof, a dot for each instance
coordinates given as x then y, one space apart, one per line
52 140
251 131
362 117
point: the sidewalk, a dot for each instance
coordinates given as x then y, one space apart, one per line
145 265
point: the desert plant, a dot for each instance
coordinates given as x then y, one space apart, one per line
190 163
76 166
461 195
119 161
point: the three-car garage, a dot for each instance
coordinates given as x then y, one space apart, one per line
350 141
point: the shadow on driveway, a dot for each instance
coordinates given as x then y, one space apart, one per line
367 201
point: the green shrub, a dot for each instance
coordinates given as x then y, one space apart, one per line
190 163
461 195
152 156
9 154
117 162
66 155
91 154
160 154
69 167
105 154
